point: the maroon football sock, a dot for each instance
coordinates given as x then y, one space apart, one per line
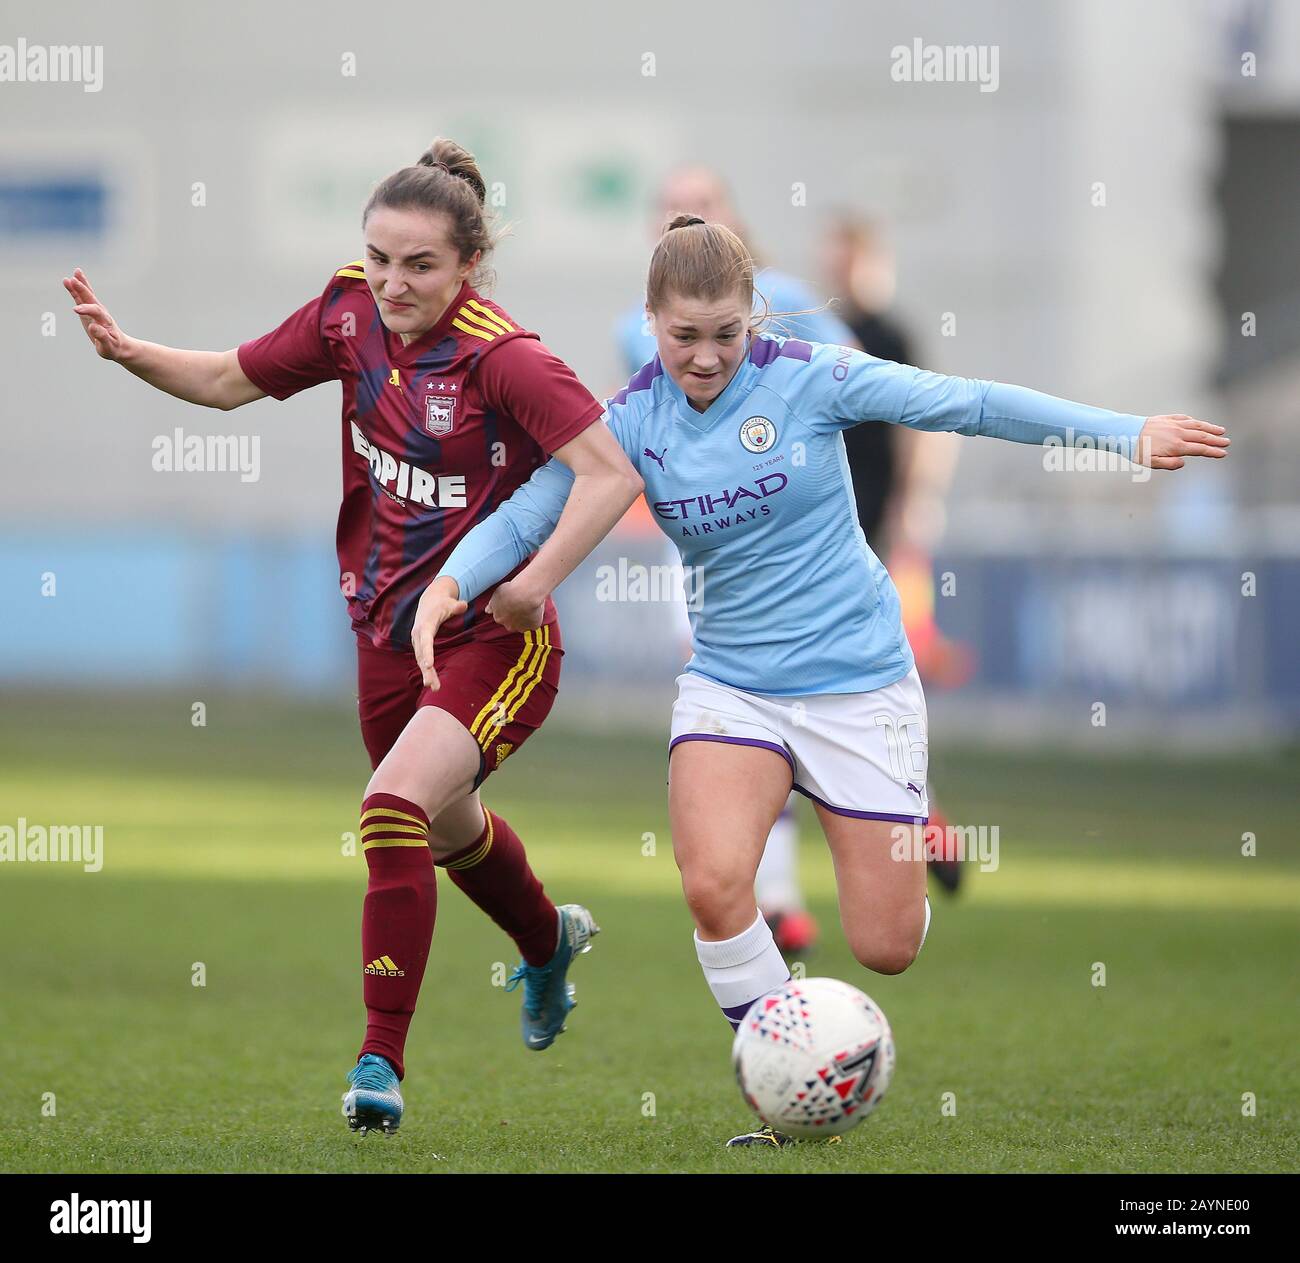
494 872
396 921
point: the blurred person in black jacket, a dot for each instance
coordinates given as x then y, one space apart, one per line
900 476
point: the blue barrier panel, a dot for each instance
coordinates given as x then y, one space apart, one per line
135 606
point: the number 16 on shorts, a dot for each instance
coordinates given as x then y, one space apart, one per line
905 741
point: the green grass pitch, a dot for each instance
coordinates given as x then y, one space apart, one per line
224 845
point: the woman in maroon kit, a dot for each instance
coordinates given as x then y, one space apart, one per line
448 406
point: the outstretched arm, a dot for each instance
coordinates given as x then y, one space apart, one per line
857 387
1022 415
211 378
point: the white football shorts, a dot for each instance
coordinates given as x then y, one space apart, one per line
857 754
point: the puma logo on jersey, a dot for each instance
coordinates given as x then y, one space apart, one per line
659 460
403 481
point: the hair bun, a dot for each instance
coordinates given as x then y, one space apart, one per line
683 221
446 155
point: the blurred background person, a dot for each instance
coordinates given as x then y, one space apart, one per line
696 189
900 476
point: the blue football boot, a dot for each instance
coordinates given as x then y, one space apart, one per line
374 1102
548 995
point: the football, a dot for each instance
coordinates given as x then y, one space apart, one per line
814 1057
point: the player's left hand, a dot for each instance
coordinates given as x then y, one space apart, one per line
1166 440
515 606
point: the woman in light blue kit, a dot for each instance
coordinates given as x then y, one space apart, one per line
801 675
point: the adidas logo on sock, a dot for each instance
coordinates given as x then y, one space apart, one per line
385 967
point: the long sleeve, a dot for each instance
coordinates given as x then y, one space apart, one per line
1016 413
850 387
522 524
514 531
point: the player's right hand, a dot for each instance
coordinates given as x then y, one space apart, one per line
1167 439
516 607
109 341
438 603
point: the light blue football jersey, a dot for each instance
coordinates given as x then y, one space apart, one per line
788 598
783 292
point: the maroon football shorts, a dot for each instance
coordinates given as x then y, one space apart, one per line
501 688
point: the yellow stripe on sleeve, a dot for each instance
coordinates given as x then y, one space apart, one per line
478 333
490 316
481 322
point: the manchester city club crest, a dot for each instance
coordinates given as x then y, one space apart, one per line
439 414
757 434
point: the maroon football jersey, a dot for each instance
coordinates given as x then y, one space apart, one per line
436 434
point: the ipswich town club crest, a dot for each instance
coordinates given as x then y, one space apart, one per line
439 414
757 434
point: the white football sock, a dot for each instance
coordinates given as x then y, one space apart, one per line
776 885
739 970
